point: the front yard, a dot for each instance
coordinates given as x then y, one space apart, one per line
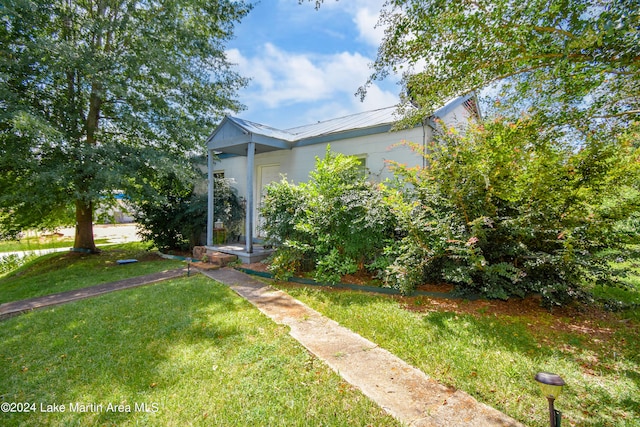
190 352
183 352
493 349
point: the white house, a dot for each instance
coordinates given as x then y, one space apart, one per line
255 155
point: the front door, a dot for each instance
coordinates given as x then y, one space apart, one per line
266 175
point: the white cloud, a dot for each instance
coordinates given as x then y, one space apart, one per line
364 14
282 78
366 21
293 83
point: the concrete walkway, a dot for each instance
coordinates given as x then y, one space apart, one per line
402 390
16 307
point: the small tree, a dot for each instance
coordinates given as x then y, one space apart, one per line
337 220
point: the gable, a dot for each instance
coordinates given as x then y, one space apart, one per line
233 135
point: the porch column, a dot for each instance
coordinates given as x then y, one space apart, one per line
210 205
251 152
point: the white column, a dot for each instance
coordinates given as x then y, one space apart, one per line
210 206
251 152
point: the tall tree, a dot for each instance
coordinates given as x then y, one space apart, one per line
104 95
575 62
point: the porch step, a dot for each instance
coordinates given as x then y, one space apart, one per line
214 258
220 259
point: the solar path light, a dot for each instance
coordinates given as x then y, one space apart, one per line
551 386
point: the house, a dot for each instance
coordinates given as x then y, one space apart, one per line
255 155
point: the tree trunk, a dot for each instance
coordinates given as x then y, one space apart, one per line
84 228
84 209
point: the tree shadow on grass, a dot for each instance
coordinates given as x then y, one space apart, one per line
124 344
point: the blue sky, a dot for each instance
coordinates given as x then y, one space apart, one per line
305 64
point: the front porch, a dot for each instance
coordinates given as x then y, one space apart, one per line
258 254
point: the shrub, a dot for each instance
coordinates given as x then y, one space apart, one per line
177 217
12 262
506 210
337 220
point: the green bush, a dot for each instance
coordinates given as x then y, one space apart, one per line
507 210
337 220
12 262
176 218
503 209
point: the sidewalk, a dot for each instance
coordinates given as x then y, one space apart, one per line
400 389
38 252
16 307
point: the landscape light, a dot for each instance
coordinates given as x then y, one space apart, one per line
551 386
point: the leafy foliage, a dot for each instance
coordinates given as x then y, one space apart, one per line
573 62
505 210
337 220
177 217
12 262
101 96
501 209
529 203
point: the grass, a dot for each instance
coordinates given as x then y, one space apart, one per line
189 349
196 354
34 241
65 271
494 356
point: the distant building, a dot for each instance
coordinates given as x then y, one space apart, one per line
116 211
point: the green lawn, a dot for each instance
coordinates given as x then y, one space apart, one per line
493 353
189 349
64 271
35 241
196 354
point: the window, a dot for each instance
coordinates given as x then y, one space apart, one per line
362 161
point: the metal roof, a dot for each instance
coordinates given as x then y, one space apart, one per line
260 129
367 119
363 120
267 138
